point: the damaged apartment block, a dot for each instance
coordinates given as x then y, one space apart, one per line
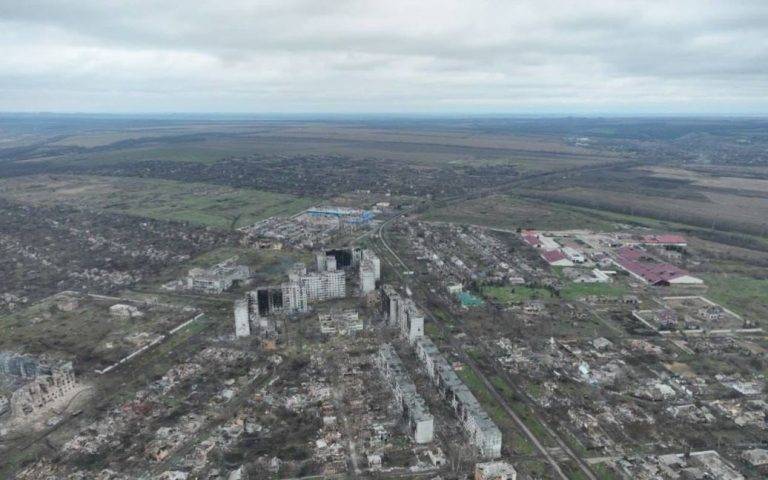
420 422
482 432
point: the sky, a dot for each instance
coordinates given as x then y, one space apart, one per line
385 56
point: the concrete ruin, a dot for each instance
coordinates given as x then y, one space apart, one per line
495 471
481 430
218 278
420 421
402 312
345 322
50 385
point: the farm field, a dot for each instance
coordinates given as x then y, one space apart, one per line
506 211
722 211
752 186
197 203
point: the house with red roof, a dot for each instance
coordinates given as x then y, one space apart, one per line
532 239
556 258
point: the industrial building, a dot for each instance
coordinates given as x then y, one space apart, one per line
643 266
342 214
481 430
218 278
420 421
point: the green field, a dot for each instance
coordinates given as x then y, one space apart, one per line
746 296
199 203
207 151
513 295
573 291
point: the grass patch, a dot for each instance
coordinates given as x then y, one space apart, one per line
432 331
746 296
573 291
521 410
512 435
603 471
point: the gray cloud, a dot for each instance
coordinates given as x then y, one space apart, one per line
372 56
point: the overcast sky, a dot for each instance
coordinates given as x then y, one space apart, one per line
446 56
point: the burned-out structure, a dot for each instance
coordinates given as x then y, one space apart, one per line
343 258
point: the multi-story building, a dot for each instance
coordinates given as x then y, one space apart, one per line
420 421
325 262
295 297
252 311
370 256
323 285
390 304
481 430
16 365
367 277
410 319
401 312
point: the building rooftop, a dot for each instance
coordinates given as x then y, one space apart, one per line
642 265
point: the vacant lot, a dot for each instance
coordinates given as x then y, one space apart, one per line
746 296
85 330
513 295
198 203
